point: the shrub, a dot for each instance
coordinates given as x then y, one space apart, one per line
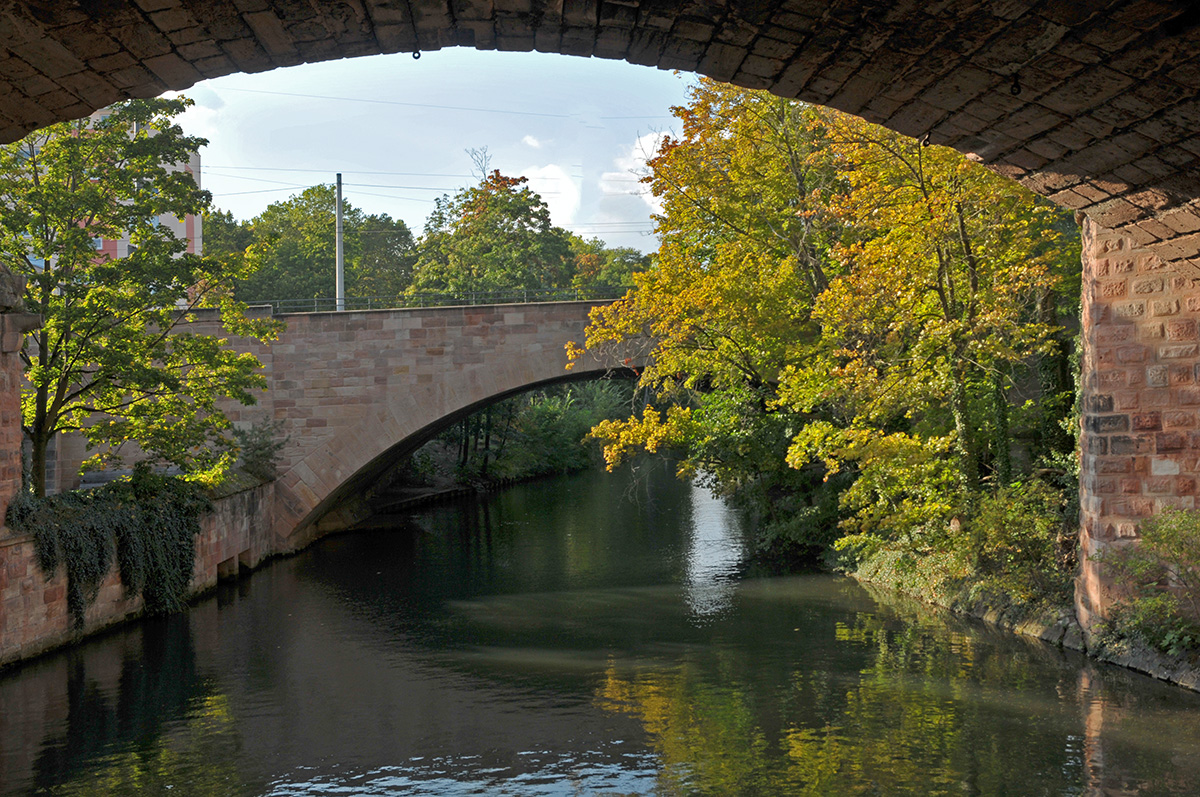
1016 548
260 446
1162 577
1022 543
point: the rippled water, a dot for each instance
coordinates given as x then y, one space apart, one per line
591 635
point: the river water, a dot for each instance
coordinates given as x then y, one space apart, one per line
590 635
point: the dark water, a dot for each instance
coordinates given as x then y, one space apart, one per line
586 636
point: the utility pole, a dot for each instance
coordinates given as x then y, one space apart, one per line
340 282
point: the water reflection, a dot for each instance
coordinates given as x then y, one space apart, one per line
565 638
127 716
715 554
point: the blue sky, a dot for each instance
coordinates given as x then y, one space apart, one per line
398 130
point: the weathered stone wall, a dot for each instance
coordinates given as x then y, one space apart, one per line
33 609
13 327
348 388
1141 398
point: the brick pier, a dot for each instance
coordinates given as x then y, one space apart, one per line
1141 398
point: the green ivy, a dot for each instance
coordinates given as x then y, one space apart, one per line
148 523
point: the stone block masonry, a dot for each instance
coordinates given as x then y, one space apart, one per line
1140 436
350 389
235 536
355 390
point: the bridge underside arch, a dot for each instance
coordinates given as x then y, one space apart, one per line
1094 105
346 505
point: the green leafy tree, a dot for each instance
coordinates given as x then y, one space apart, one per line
1158 583
727 304
113 358
492 237
945 265
596 266
384 257
225 235
293 250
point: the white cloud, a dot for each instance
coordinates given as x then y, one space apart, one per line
559 191
205 117
204 97
623 180
530 141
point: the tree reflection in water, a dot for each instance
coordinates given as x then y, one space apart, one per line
933 712
159 728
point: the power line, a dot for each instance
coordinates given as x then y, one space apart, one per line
401 187
393 196
262 191
404 104
256 180
327 171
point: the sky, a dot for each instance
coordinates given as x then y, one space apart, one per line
399 130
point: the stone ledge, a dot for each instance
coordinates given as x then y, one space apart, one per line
9 536
1178 670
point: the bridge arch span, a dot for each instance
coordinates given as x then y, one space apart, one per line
345 505
355 390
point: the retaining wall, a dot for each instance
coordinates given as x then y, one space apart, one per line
235 536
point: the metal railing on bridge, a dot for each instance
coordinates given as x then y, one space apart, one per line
326 304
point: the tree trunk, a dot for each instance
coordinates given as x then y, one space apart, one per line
1003 462
464 440
39 436
37 466
487 439
962 423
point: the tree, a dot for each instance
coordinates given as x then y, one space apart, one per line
745 245
113 358
836 295
727 305
596 266
492 237
936 311
293 250
383 263
225 235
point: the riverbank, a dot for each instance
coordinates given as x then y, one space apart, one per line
1055 625
236 539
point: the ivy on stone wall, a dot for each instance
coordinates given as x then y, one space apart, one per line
147 523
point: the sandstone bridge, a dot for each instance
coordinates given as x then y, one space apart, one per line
356 390
1095 105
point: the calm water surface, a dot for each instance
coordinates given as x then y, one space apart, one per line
592 635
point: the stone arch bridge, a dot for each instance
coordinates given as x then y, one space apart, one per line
354 391
1093 104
